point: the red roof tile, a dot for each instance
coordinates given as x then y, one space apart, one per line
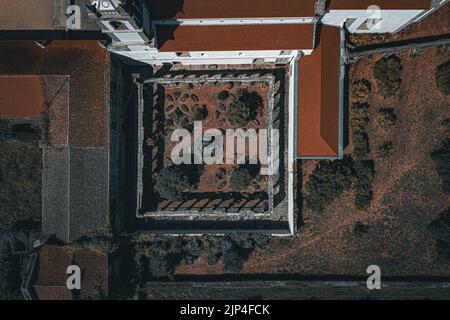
383 4
87 66
318 98
209 9
21 97
52 265
235 37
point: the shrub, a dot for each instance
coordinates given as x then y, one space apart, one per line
440 229
9 275
384 150
360 228
223 95
157 258
386 118
361 146
232 261
361 89
446 127
242 177
359 118
194 249
101 240
328 181
443 77
364 172
21 183
171 182
245 108
199 113
388 73
442 160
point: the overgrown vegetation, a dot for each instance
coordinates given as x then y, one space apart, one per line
223 95
9 271
242 176
388 73
20 209
363 166
386 118
443 77
172 181
20 183
158 257
442 160
446 127
384 150
328 181
101 240
364 175
359 120
361 90
440 230
244 108
199 113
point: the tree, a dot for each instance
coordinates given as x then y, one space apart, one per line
364 173
244 108
242 177
328 181
171 182
223 95
386 118
442 160
385 150
199 113
443 77
388 73
232 262
9 271
361 90
440 229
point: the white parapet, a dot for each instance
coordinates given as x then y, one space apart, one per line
371 20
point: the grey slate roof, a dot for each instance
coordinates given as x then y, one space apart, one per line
75 193
75 198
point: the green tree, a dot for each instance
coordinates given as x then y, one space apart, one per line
388 73
386 118
328 181
244 108
199 113
442 160
171 182
443 77
242 176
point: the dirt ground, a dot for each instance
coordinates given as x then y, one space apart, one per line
407 192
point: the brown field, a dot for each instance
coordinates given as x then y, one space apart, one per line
407 192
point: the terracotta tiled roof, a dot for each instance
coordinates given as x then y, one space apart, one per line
21 97
318 98
51 272
383 4
74 84
235 37
204 9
